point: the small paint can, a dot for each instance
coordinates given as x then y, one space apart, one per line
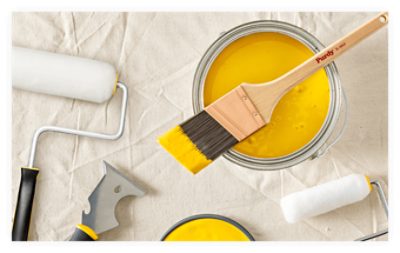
323 140
205 231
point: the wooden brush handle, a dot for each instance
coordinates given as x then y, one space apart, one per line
266 96
331 52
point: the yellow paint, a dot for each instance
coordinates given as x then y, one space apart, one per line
182 148
87 230
369 182
115 83
262 57
207 230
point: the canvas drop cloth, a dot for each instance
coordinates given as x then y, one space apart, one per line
157 54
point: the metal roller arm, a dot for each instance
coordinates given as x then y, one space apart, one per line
385 207
64 130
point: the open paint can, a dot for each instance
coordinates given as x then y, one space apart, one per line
304 119
207 227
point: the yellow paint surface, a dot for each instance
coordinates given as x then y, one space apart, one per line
207 230
182 148
262 57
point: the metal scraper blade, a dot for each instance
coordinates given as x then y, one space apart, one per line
112 187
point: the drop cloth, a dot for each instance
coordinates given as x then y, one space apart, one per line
156 55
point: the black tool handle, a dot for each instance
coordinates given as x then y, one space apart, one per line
24 204
83 233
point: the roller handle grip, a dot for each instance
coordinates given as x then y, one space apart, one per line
83 233
24 204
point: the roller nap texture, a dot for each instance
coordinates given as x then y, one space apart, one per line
62 75
325 197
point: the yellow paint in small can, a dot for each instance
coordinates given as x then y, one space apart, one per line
207 227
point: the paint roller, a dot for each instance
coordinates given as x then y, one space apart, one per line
59 75
62 75
329 196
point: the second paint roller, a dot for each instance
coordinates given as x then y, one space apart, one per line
59 75
325 197
329 196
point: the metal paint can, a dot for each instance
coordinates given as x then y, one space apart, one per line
209 216
319 144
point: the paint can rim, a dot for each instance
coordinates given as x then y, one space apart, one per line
208 216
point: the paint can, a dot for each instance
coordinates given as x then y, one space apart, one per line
207 229
323 140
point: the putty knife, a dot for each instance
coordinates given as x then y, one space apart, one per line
112 187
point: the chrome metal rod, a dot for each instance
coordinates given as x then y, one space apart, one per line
89 134
383 200
373 236
381 196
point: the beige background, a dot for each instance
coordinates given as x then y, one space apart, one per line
157 54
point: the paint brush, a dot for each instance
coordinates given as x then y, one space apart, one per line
201 139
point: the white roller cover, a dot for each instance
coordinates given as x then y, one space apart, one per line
325 197
62 75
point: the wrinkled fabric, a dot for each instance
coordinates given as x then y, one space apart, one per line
156 55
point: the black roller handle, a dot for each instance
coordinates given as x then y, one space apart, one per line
83 233
24 204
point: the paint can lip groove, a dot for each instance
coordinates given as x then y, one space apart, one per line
318 141
208 216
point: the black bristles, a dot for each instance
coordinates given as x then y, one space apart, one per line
208 135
